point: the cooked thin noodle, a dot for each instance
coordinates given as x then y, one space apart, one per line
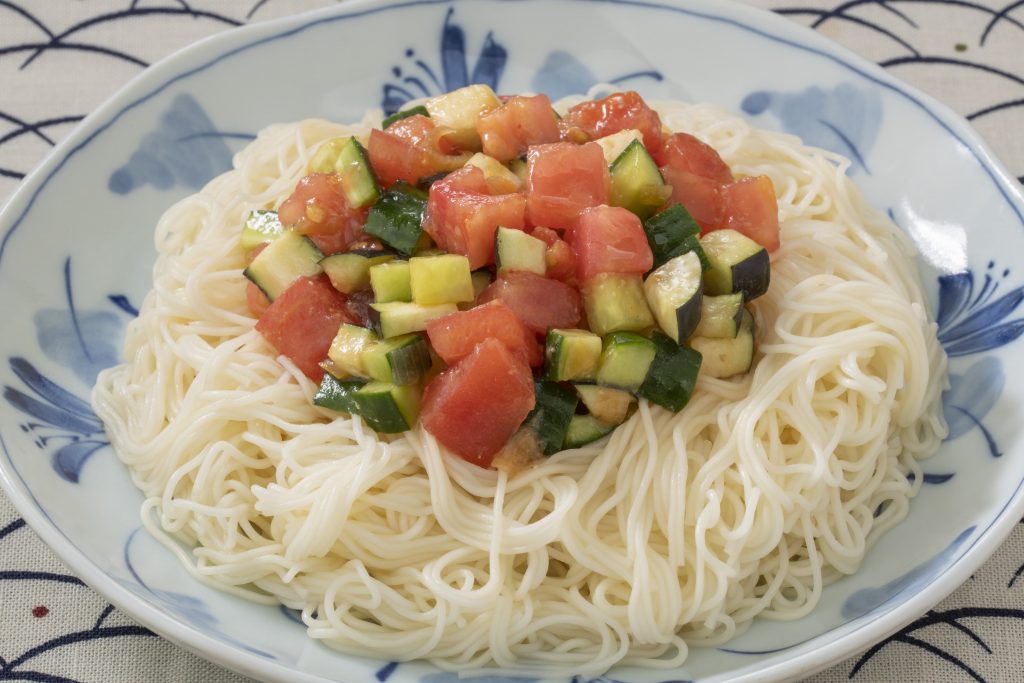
678 530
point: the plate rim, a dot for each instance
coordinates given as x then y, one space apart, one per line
209 51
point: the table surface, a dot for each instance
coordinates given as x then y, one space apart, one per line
969 54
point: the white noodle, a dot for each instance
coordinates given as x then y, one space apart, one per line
676 531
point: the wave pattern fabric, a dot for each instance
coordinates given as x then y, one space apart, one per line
59 59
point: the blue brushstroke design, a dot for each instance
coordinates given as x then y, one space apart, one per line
868 599
562 74
973 323
185 149
844 119
384 673
190 609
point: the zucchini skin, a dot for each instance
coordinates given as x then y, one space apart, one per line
672 377
554 409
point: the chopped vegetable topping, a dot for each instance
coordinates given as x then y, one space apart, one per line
519 300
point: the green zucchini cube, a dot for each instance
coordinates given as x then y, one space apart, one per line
388 408
391 282
625 359
441 279
616 302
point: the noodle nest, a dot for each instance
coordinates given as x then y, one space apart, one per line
676 531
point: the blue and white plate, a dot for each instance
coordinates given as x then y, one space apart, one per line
76 255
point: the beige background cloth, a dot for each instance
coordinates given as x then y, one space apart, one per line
971 56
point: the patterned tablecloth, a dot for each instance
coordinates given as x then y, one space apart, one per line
60 58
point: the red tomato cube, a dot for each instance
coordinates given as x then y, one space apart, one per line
463 219
411 149
752 209
701 197
318 208
559 257
507 132
684 152
620 111
540 303
454 336
476 405
563 179
301 323
610 239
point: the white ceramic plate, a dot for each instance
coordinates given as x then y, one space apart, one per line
76 255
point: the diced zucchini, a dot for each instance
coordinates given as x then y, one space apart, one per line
398 318
399 360
674 292
261 226
571 355
337 394
672 375
282 262
388 408
441 279
637 184
326 155
625 359
615 144
610 406
350 272
348 158
584 429
347 349
391 281
515 250
460 109
673 232
404 114
720 316
397 216
725 357
555 407
738 264
615 302
500 180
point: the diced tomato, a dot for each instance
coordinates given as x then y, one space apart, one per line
540 303
507 132
701 197
301 323
684 152
610 239
318 208
620 111
751 208
411 149
455 335
462 218
559 257
256 300
562 180
476 405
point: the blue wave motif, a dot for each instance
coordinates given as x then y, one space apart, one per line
868 599
844 119
186 149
